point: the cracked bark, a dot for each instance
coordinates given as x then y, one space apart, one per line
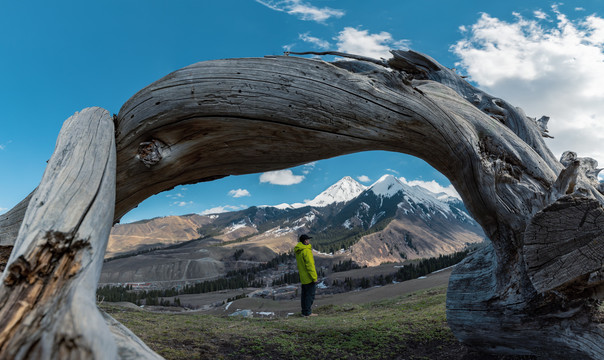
47 292
241 116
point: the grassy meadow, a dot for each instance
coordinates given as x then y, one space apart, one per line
408 327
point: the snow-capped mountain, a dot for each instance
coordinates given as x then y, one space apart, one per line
387 186
344 190
389 195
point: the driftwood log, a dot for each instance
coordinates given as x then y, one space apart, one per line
536 289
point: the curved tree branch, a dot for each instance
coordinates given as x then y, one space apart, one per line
240 116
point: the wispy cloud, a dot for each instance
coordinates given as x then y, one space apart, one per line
361 42
363 178
320 43
281 177
547 68
222 209
540 15
302 9
392 171
309 167
182 203
239 193
432 186
175 196
3 146
3 210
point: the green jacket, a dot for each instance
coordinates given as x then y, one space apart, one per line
306 263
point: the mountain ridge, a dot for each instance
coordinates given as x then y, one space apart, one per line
388 221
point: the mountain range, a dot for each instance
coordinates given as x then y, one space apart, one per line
389 221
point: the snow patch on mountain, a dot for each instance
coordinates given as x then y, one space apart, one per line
376 217
236 226
307 218
283 206
347 224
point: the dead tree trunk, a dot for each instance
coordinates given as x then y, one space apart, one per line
48 291
239 116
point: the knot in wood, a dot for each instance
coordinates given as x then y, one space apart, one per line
17 271
150 152
55 255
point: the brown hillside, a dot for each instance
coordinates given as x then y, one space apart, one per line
412 237
165 230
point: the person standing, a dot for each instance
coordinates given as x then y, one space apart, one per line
308 273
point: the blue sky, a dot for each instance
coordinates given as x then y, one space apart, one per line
60 57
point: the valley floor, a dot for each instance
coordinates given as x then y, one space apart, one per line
398 321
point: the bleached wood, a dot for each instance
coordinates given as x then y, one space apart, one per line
564 243
128 345
239 116
47 293
11 221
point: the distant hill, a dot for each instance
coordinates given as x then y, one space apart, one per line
388 221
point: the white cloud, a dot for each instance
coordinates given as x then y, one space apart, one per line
553 69
281 177
361 42
579 9
432 186
302 9
393 171
2 147
363 178
309 167
2 210
320 43
239 193
182 203
222 209
540 15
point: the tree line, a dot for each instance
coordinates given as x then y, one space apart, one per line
293 278
407 272
235 279
345 266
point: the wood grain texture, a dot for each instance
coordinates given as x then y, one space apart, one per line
10 222
48 289
565 243
239 116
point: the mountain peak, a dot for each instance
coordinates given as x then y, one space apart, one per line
387 186
344 190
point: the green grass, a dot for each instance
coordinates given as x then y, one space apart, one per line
410 327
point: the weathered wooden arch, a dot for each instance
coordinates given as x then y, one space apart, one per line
536 290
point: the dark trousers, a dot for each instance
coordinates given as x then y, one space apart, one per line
308 297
